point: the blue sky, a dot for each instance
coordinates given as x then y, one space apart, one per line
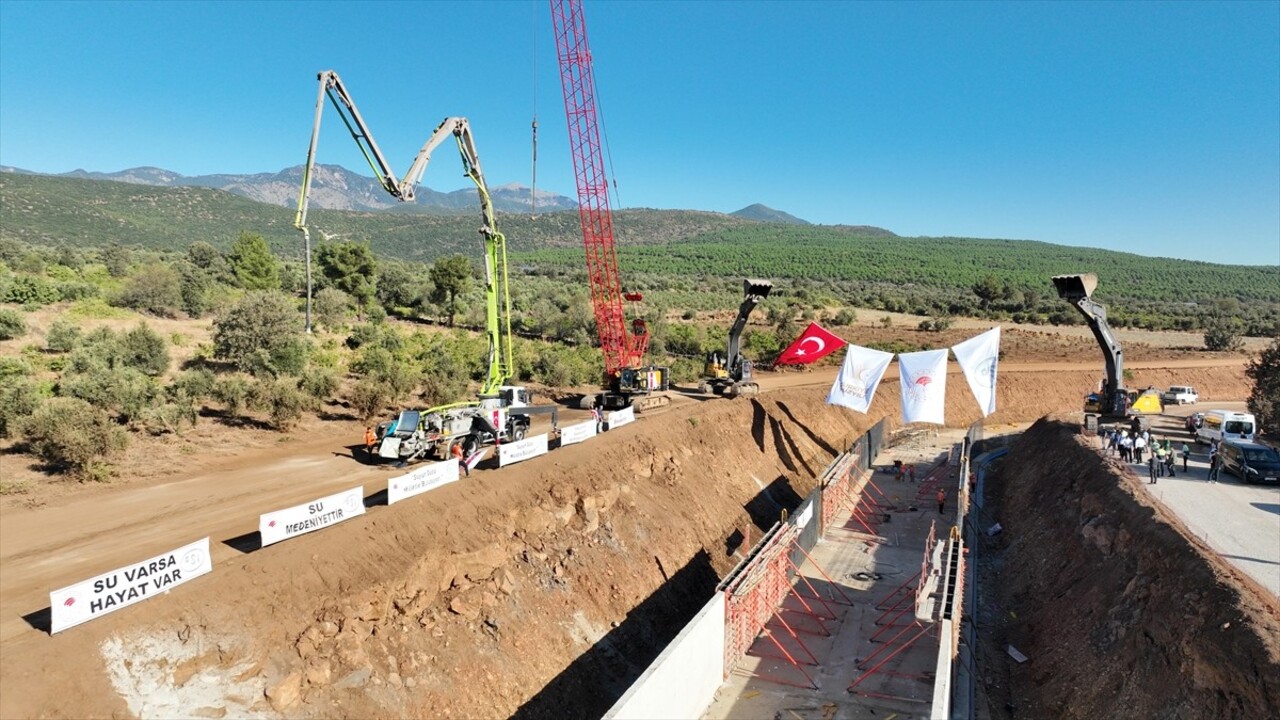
1146 127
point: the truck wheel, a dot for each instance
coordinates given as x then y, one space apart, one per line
518 432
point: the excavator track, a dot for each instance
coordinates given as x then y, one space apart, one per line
650 402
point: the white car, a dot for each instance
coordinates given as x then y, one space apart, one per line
1180 395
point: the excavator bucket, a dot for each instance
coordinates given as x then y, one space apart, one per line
758 289
1072 287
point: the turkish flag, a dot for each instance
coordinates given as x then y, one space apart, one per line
813 344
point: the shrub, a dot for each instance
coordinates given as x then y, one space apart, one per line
194 385
12 324
32 290
144 349
19 397
1223 334
937 324
72 291
73 435
282 401
369 397
320 384
331 307
169 417
233 392
122 391
63 336
155 289
262 329
1264 398
846 316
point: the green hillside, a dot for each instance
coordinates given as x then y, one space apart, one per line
682 254
45 210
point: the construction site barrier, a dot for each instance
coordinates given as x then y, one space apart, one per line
309 517
682 682
522 450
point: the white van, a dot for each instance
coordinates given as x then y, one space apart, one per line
1226 425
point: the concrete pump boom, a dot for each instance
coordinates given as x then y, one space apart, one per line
497 295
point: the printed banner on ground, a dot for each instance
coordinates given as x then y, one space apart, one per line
580 432
302 519
923 377
618 418
428 477
111 591
979 358
522 450
859 377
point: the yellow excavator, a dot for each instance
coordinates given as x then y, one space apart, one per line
1112 401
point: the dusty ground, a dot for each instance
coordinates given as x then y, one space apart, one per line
539 590
1122 612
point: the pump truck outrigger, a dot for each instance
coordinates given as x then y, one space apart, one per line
1112 401
502 412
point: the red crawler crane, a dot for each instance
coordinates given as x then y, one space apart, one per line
626 379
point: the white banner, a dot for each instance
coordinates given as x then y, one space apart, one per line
618 418
923 377
859 377
428 477
580 432
522 450
111 591
302 519
979 358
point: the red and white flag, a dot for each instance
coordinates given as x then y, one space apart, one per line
813 344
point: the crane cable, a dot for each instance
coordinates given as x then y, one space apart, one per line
604 134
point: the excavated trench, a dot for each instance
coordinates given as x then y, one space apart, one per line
542 590
1121 612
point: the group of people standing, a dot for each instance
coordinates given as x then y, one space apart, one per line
1132 445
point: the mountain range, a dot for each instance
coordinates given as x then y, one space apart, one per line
334 187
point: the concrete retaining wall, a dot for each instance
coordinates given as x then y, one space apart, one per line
683 680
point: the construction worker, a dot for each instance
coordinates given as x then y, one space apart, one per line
942 501
911 472
370 441
1186 455
456 450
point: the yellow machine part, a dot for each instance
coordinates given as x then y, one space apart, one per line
1148 403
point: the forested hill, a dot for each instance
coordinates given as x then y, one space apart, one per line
53 211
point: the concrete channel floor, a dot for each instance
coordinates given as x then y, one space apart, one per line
843 553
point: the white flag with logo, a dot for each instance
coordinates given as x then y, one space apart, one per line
979 358
923 377
859 377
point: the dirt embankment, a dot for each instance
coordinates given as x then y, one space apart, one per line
1122 612
540 590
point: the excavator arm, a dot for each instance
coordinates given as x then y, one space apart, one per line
1077 289
753 291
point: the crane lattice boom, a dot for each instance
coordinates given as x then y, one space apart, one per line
621 348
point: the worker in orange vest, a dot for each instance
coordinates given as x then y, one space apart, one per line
462 462
370 440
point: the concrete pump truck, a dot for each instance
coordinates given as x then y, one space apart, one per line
502 412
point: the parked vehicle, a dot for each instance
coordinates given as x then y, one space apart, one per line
1250 462
1226 425
1180 395
1194 421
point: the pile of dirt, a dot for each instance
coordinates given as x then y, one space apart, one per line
1122 612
